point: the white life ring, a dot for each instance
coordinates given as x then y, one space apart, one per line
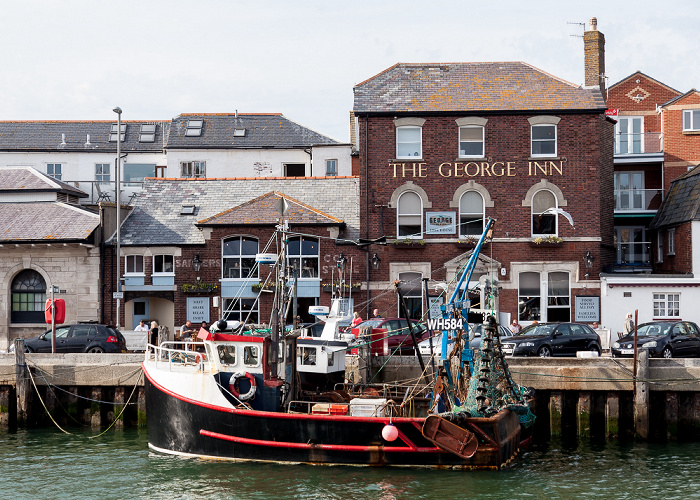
232 386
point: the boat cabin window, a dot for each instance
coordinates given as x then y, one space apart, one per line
227 354
331 357
307 355
251 355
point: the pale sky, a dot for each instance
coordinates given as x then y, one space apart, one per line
76 60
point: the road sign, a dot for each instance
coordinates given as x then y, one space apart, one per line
118 295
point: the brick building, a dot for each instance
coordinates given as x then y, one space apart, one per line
188 247
444 146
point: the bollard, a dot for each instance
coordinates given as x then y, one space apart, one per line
641 395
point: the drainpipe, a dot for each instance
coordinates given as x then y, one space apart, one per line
367 206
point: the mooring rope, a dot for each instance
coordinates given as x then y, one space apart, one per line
116 418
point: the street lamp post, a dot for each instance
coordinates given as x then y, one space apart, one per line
118 111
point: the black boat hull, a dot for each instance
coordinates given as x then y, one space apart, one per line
183 426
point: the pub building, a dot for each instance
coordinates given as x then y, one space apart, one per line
445 146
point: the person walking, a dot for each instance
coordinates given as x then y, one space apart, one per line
628 328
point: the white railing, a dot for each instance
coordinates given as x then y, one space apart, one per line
176 354
637 199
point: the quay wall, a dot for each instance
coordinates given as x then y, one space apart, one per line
575 398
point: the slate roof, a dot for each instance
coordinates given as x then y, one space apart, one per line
261 131
157 220
263 211
20 179
682 203
45 222
465 87
47 136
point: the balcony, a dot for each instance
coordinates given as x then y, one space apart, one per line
633 255
105 191
638 148
637 200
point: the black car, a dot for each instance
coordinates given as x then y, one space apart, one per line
664 339
552 339
79 338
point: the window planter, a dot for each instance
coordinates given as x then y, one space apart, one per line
261 286
546 244
415 244
199 287
328 287
467 245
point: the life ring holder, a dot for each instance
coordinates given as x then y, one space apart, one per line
200 356
232 386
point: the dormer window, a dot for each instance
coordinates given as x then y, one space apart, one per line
194 128
148 133
113 132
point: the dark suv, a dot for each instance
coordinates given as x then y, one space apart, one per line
79 338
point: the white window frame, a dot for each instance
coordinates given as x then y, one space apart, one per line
412 293
533 141
53 167
113 132
197 168
671 241
331 167
242 313
147 132
523 297
691 117
482 141
664 304
302 257
481 215
100 176
551 297
163 258
194 127
533 214
405 128
237 259
400 215
629 121
136 262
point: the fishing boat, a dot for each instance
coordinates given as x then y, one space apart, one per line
237 395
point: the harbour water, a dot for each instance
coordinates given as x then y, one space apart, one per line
49 464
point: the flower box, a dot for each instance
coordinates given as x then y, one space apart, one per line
546 244
416 244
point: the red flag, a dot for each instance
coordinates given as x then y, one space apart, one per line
203 334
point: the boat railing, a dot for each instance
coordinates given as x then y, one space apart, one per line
397 392
176 353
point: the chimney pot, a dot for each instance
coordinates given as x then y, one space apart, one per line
593 24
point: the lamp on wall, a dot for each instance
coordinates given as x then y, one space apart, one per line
375 261
196 263
588 262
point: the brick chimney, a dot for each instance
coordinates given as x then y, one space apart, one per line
594 52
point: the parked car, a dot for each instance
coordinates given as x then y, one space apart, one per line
475 328
79 338
664 339
552 339
398 335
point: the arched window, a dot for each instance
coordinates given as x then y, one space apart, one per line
409 218
543 224
238 255
471 214
28 297
302 254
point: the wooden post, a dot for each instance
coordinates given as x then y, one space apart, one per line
555 413
21 382
583 412
672 415
612 415
641 395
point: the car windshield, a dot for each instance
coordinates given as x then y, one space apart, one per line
374 323
537 330
652 329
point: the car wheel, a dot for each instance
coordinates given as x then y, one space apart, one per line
96 349
667 353
544 352
594 348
